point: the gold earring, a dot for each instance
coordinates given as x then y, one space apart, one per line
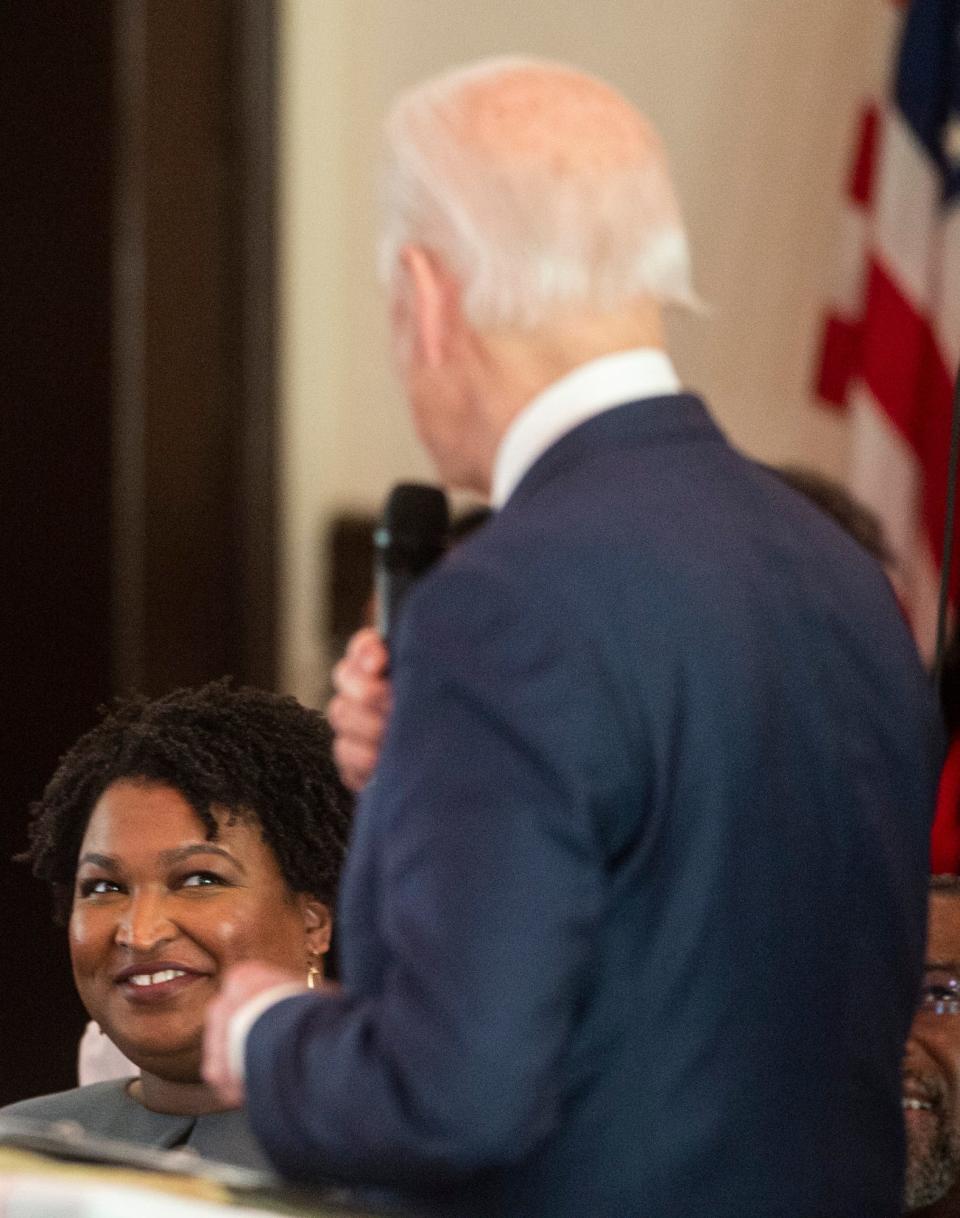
314 975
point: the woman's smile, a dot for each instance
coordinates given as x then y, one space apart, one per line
157 982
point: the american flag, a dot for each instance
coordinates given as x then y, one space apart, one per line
892 342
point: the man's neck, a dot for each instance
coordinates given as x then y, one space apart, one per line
516 366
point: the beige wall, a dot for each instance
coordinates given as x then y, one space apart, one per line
756 100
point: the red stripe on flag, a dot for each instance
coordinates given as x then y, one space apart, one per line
932 445
894 345
945 837
906 373
860 187
839 359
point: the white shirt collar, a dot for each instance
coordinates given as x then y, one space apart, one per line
588 390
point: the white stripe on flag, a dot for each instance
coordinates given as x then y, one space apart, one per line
851 264
883 471
907 198
947 307
885 475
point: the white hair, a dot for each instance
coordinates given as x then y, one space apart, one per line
526 238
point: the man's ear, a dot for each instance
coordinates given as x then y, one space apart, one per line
433 303
317 925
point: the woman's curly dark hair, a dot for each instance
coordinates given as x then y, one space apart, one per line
263 757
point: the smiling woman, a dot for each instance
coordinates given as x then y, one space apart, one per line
182 836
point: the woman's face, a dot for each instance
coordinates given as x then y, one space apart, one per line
159 913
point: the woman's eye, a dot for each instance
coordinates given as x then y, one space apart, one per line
201 879
940 992
90 888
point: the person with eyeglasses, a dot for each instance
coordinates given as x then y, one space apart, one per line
931 1071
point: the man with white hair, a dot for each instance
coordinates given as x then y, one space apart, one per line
633 916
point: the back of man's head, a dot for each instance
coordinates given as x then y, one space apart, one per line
541 188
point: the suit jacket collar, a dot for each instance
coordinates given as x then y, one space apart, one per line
599 384
650 421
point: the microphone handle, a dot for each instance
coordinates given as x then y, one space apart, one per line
391 585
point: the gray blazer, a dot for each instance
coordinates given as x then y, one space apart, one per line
107 1110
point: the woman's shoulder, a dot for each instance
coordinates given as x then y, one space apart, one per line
77 1104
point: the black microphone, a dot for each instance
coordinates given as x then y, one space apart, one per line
411 536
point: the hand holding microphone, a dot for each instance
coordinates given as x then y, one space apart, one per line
359 710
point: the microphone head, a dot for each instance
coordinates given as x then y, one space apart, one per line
411 536
413 528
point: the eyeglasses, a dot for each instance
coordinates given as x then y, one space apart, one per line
939 993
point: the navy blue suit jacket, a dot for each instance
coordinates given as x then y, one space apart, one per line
635 906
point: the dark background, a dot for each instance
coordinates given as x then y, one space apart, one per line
136 407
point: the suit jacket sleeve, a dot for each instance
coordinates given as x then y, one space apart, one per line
489 888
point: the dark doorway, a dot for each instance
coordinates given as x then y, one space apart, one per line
136 406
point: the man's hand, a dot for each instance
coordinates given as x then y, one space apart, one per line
359 710
240 984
